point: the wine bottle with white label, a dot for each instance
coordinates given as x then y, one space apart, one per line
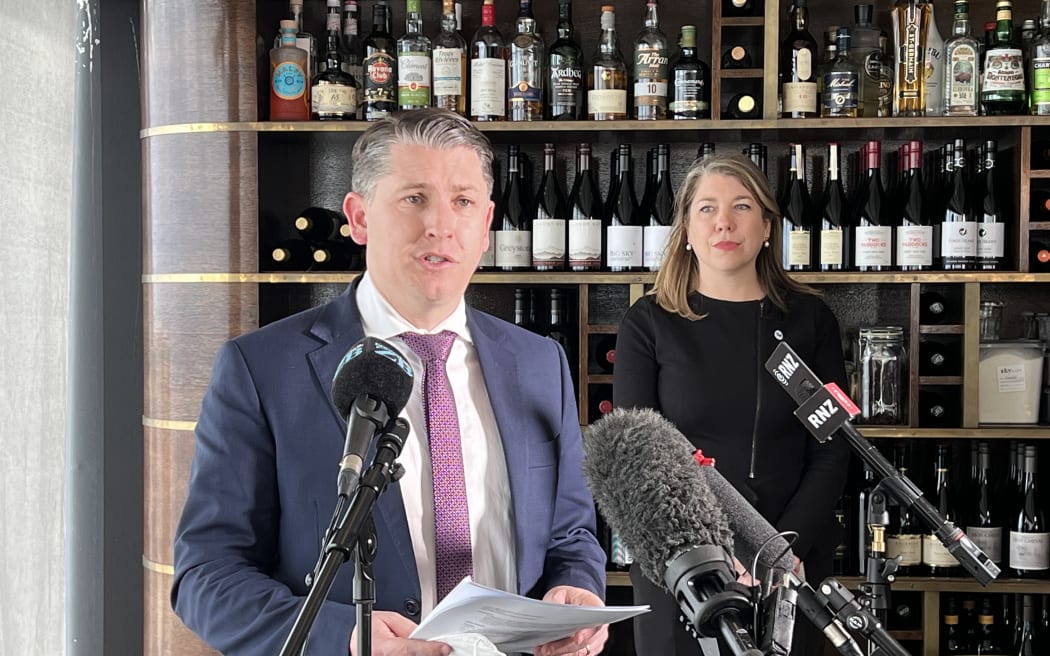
935 556
1029 539
985 526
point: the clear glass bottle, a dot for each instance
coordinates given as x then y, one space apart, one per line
1039 65
865 50
961 65
380 67
289 93
488 69
882 366
651 64
333 91
565 68
910 24
934 66
413 61
450 63
798 66
525 82
607 75
841 97
352 46
691 96
1003 81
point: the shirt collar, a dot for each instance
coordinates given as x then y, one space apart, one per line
380 319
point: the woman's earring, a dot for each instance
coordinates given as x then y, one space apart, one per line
688 246
765 244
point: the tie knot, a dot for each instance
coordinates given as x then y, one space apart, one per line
430 348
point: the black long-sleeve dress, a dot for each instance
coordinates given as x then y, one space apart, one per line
708 378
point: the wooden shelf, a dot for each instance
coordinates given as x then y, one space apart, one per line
945 329
940 380
1005 431
743 21
742 73
600 379
956 584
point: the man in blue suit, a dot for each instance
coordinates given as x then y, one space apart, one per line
262 486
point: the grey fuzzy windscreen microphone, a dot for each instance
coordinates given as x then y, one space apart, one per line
375 368
647 484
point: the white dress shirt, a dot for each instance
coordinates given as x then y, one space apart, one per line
484 464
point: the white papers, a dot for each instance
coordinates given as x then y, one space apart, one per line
513 622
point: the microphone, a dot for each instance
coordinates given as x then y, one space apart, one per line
371 386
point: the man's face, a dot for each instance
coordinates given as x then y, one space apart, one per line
426 227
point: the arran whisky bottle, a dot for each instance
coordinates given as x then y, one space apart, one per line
651 65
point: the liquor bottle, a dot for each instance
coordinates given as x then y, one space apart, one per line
560 330
651 63
690 97
1003 81
910 24
834 238
623 237
380 67
525 83
988 214
961 66
841 97
1026 633
519 309
798 66
952 640
934 65
413 61
797 246
585 216
872 233
865 50
985 526
737 56
450 63
565 66
886 77
933 308
661 213
831 52
903 537
1039 66
989 640
317 224
290 255
607 75
488 69
289 97
303 39
958 231
743 106
514 234
1029 539
603 353
915 234
548 228
1038 255
739 8
333 91
935 556
352 46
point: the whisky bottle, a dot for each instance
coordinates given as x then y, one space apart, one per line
525 83
798 66
380 67
607 75
488 69
961 66
413 62
1003 83
650 68
691 97
910 24
841 97
565 67
289 96
450 63
333 91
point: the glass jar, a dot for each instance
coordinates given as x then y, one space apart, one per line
882 369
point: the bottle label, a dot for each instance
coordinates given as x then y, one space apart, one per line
935 554
513 248
585 243
606 101
566 81
623 246
379 77
1003 70
289 81
548 240
991 240
841 90
1011 378
1041 85
914 245
621 554
907 546
488 258
1029 551
958 239
650 74
934 69
831 248
523 92
413 79
650 93
333 99
962 83
688 93
874 245
654 243
487 81
799 96
803 64
448 71
798 244
989 539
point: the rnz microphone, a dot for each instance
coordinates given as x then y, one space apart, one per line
371 386
647 486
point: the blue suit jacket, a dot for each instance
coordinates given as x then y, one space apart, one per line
262 485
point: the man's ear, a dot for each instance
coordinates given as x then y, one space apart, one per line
354 207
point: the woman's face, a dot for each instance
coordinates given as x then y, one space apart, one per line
726 227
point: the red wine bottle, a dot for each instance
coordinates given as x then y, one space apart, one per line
938 560
1029 539
872 232
548 228
985 526
623 245
988 213
514 231
797 246
604 352
958 232
317 224
585 216
834 237
660 214
903 537
914 234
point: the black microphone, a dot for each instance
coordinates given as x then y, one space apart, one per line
647 486
371 386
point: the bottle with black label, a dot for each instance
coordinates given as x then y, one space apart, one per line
380 67
565 66
690 95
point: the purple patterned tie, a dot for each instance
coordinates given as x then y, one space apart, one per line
451 519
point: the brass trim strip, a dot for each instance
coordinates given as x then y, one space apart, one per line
159 568
169 424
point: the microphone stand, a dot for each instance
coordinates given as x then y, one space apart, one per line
879 571
365 585
347 535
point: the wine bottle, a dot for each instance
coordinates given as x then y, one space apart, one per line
488 258
488 69
560 329
603 352
705 151
623 238
903 538
651 63
1029 539
952 640
565 66
1003 80
938 410
548 228
519 308
514 235
958 232
332 256
414 73
914 234
289 66
985 527
1026 644
1040 204
740 8
607 75
380 67
524 87
290 255
872 233
797 246
989 640
933 308
1038 255
661 213
585 216
333 91
939 357
938 560
860 537
737 56
614 182
743 106
798 69
988 214
691 97
317 224
450 63
1040 154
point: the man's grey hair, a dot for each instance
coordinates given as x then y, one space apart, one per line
433 128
